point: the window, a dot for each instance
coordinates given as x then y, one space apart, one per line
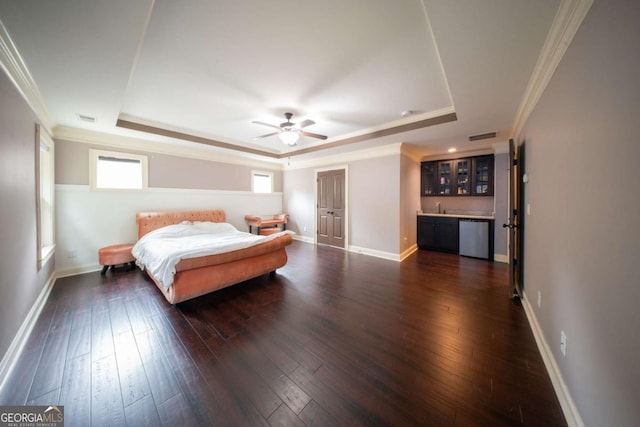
45 224
262 182
117 171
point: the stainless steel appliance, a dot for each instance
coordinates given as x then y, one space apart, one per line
474 237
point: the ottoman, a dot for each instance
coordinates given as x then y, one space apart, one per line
110 256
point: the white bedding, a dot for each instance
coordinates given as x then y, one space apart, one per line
160 250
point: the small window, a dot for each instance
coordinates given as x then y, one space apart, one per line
117 171
262 182
44 196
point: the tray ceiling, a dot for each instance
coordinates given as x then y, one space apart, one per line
207 68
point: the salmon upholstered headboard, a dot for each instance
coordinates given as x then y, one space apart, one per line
149 221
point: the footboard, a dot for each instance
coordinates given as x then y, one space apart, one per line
188 284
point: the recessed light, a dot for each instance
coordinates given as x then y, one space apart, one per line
407 113
86 118
451 150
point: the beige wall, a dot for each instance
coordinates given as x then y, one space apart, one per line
72 167
582 239
374 202
20 281
409 201
88 220
298 201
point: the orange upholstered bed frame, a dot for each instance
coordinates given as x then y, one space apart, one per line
198 276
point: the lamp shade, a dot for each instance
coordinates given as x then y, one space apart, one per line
289 137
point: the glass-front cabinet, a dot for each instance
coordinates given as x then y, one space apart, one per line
462 177
444 177
472 176
428 178
483 176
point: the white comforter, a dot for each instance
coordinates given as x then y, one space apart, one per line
160 250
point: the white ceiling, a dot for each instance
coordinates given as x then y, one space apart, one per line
208 68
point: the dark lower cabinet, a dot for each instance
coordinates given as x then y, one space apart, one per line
438 233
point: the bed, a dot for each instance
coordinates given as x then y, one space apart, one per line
204 274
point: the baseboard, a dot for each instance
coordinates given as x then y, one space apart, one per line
571 413
303 238
501 258
366 251
19 341
375 253
404 255
74 271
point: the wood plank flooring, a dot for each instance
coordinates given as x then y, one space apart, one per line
334 339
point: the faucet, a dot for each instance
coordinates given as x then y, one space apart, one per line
438 205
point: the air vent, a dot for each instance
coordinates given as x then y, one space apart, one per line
482 136
85 118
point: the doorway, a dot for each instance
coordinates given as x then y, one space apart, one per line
331 207
515 223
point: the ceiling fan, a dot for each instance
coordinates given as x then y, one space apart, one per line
288 132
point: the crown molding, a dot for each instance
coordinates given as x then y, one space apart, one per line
433 118
411 153
570 15
415 121
459 154
140 125
18 72
122 142
343 158
84 136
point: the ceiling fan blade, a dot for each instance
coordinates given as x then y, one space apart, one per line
265 136
313 135
266 124
306 123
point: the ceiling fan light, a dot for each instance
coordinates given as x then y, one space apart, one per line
289 137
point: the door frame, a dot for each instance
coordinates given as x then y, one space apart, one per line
521 208
515 219
316 171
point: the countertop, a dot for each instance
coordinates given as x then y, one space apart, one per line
460 214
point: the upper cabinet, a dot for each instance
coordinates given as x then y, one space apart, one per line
428 178
471 176
462 177
445 181
483 176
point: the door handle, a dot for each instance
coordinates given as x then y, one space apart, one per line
511 226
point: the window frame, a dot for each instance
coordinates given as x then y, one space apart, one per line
255 173
94 155
45 196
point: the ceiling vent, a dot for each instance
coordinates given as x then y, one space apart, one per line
86 118
482 136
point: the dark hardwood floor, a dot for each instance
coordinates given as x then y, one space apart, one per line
334 338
